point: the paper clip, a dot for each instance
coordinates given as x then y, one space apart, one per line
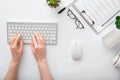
87 18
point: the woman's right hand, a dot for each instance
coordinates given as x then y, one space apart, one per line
38 47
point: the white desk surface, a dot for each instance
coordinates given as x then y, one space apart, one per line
96 63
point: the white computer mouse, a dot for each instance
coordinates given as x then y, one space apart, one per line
76 50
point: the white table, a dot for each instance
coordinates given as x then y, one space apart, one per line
96 63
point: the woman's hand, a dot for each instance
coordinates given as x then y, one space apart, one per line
16 46
38 47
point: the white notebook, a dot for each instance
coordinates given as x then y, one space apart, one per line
99 14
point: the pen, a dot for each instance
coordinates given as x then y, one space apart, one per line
63 9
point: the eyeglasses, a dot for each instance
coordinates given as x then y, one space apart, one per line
77 21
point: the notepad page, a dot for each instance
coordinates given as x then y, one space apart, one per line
100 11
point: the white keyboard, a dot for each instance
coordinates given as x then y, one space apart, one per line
48 31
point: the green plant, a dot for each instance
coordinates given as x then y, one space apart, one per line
53 3
117 22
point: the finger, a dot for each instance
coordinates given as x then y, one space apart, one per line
37 38
40 36
43 43
17 39
21 45
12 39
34 40
43 40
32 45
21 37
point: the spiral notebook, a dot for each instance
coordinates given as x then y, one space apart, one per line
99 14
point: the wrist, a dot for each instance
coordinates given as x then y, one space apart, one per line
42 62
41 59
15 62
